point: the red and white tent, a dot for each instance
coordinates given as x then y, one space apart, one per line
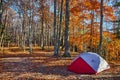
88 63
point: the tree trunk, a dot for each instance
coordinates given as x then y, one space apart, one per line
1 27
18 40
91 30
48 40
42 32
31 30
55 33
60 25
67 47
30 36
30 39
23 33
101 28
1 11
3 30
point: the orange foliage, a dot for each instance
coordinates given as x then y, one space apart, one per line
84 30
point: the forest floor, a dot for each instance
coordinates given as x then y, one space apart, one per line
17 65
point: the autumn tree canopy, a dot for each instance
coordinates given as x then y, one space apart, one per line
32 23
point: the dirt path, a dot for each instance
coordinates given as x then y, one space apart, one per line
45 67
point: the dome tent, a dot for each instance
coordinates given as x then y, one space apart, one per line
88 63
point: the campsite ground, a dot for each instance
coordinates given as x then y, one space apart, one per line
17 65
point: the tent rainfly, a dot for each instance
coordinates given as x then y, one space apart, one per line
88 63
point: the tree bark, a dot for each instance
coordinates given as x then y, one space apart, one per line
67 47
31 29
55 33
1 26
1 11
101 28
91 30
23 33
30 35
42 32
60 25
3 30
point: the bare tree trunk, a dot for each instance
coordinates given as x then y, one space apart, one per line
48 40
23 33
1 26
30 36
55 33
91 32
30 39
18 35
1 11
101 28
42 32
18 40
3 30
48 32
67 47
60 25
30 30
2 42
